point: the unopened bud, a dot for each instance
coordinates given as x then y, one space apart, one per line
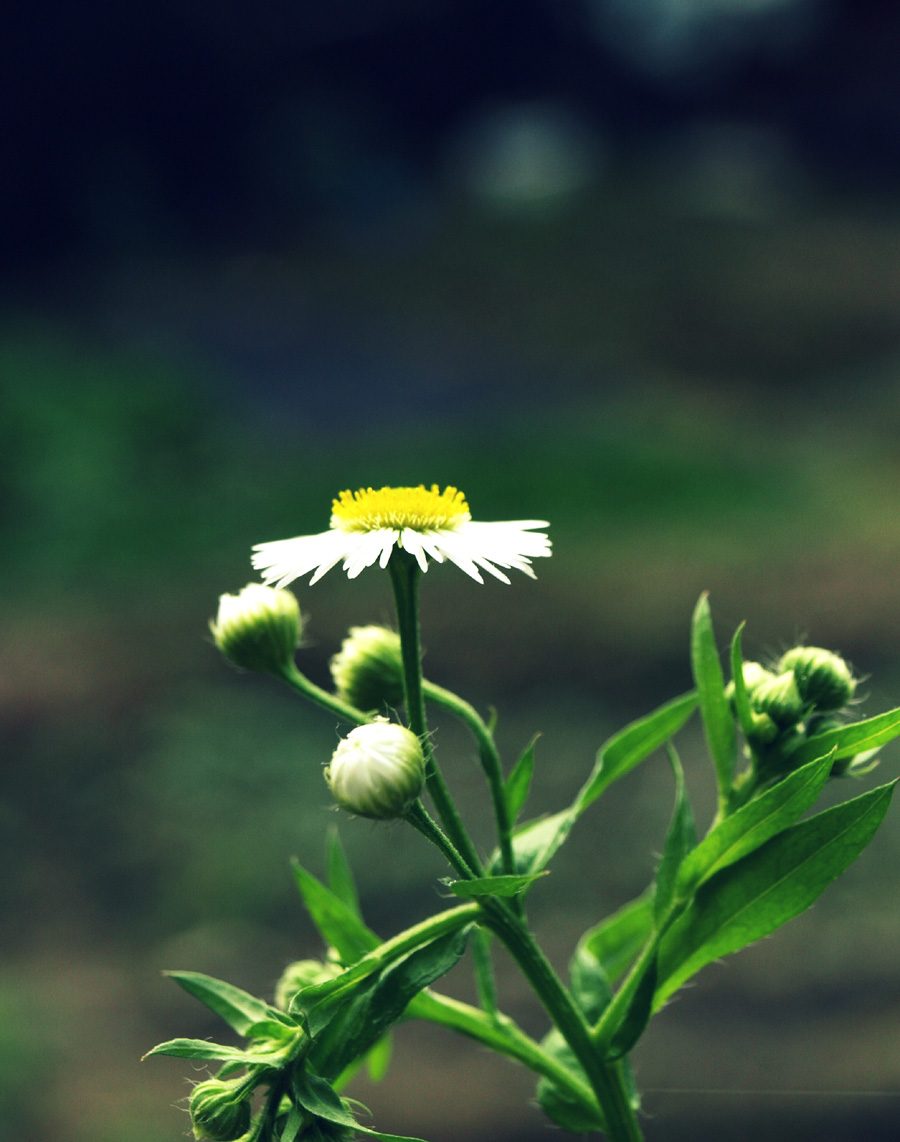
368 670
824 679
377 771
778 697
301 974
220 1110
259 628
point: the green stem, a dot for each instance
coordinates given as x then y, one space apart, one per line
606 1078
419 819
501 1034
490 763
299 682
405 574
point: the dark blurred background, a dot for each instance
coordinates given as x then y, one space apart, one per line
627 265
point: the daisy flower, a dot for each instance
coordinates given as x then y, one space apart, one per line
367 525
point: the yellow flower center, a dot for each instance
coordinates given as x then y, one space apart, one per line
421 509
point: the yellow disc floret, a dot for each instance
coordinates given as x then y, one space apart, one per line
420 508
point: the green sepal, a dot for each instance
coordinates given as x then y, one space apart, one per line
680 839
493 885
718 722
204 1049
630 746
764 889
753 824
858 737
616 940
340 875
338 924
238 1008
518 784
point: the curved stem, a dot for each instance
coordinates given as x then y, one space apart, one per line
490 762
299 682
405 573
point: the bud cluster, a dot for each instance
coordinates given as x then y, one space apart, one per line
797 699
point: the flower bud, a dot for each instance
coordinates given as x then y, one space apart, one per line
300 974
778 697
368 670
220 1110
823 679
377 771
764 729
754 674
259 628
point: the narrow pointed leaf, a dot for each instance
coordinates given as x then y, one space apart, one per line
558 1104
741 699
718 722
637 1016
238 1008
337 923
519 782
757 894
493 885
203 1049
754 823
589 983
622 752
616 941
484 970
848 740
340 875
680 839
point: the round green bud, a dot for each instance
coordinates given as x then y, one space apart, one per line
824 679
754 675
778 697
764 729
377 771
258 629
368 670
300 974
220 1110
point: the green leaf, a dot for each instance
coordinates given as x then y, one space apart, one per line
319 1098
616 941
381 1001
560 1106
589 983
757 894
622 752
754 823
718 722
852 739
484 970
519 782
637 1016
536 842
378 1058
493 885
238 1008
203 1049
384 1137
680 839
338 924
741 700
340 875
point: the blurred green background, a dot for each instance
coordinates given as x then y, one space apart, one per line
655 303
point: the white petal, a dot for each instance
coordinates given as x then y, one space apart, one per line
284 560
412 542
370 546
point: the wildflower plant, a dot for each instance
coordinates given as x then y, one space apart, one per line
775 738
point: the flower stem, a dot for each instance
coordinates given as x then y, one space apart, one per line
405 573
606 1078
299 682
419 819
490 762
